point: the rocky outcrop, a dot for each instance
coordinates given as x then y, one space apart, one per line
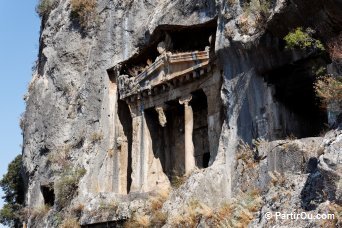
311 188
75 121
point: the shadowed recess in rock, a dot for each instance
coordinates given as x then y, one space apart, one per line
48 194
294 88
177 38
126 121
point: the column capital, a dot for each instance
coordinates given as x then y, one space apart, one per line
185 100
161 115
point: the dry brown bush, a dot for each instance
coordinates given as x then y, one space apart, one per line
335 47
84 11
39 212
70 222
154 217
329 89
238 212
246 154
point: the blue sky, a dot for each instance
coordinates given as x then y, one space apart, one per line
19 32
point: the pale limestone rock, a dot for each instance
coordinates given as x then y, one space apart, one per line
73 96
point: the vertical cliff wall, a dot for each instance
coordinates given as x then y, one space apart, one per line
76 123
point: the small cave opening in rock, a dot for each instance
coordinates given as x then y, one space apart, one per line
126 122
48 194
294 89
191 38
199 106
44 151
177 38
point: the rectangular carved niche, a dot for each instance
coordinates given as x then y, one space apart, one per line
120 139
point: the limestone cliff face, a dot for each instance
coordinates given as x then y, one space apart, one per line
70 115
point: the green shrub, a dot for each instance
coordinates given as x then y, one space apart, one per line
84 11
9 215
67 186
44 7
303 40
12 185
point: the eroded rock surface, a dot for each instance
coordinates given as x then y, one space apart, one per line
77 128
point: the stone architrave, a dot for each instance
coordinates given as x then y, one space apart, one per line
189 125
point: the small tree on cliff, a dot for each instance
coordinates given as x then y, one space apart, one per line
13 187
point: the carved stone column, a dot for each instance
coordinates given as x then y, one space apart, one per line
136 154
188 129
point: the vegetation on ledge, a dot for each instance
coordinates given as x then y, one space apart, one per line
44 7
303 40
329 89
84 11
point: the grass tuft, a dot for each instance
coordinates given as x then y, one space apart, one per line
70 222
39 212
